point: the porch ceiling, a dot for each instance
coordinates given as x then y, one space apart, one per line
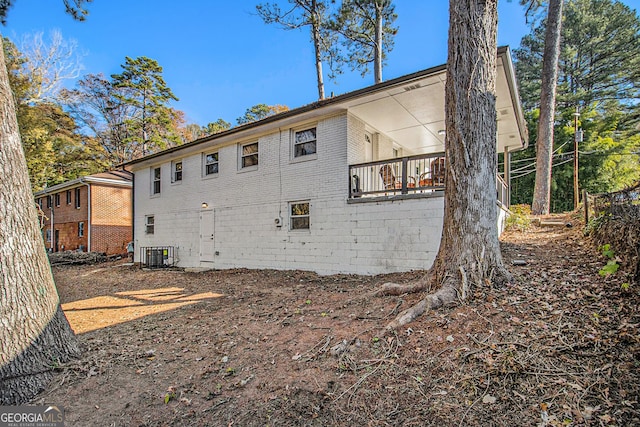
413 114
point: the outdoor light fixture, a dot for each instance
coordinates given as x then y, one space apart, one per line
205 205
442 132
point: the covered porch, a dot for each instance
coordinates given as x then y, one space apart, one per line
420 175
399 141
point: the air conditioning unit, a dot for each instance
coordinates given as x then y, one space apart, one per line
157 257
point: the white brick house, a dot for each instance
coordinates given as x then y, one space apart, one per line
305 189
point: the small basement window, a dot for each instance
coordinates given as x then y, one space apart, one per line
299 216
149 224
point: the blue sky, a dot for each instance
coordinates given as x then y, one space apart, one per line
219 58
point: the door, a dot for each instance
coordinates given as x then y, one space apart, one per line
56 240
206 236
368 147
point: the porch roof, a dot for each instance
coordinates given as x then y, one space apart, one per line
408 109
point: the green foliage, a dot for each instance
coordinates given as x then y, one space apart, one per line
143 89
130 114
169 396
259 112
218 126
356 22
597 72
612 265
520 218
54 150
607 251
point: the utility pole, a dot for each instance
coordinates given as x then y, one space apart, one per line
577 137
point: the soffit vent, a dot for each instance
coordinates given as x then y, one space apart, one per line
412 87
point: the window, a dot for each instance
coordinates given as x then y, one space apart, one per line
177 171
149 224
57 199
40 202
210 164
80 229
155 189
249 155
48 234
299 216
68 197
49 202
78 198
304 142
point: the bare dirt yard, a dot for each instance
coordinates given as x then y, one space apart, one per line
559 346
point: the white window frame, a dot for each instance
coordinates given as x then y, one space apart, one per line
81 229
68 197
77 195
206 163
296 142
242 156
176 171
57 198
149 224
156 178
293 217
48 235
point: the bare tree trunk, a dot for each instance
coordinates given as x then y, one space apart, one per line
469 254
315 34
34 333
544 145
377 63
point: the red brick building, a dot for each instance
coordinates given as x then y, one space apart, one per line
93 213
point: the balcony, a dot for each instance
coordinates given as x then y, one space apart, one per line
413 176
420 174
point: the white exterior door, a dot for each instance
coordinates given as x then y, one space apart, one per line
368 147
206 236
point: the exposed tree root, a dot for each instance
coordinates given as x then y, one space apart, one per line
443 296
396 289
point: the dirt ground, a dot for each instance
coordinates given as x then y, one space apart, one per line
558 346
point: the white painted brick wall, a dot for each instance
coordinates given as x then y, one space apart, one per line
363 238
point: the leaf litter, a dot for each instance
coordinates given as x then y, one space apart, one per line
559 346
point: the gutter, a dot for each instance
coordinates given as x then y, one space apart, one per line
82 181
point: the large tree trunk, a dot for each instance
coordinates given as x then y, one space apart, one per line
469 253
34 333
544 145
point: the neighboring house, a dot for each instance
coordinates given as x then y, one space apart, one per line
349 184
92 213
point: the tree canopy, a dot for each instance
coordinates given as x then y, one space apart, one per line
599 74
367 32
259 112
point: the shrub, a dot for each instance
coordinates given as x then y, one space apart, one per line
520 218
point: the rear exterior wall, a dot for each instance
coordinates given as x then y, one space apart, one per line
243 206
111 219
